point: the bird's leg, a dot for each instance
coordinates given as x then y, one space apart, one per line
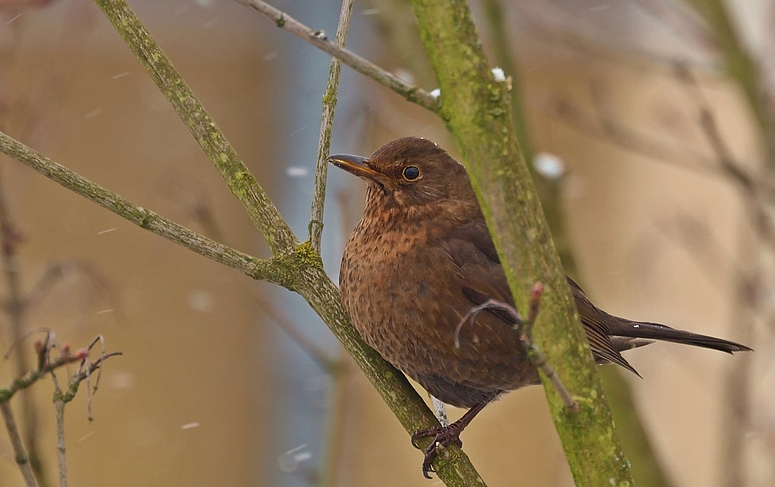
446 435
525 328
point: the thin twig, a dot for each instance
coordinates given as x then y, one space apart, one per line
356 62
326 124
613 131
20 455
61 269
525 329
707 122
31 377
59 415
85 368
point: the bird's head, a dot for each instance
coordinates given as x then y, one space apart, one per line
410 171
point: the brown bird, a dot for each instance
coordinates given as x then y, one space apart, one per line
421 258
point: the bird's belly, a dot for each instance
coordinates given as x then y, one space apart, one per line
408 305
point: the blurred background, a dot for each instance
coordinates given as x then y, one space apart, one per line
225 381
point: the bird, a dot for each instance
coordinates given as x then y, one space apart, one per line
421 258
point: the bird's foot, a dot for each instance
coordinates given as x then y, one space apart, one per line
442 436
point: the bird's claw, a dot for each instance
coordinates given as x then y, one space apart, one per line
442 436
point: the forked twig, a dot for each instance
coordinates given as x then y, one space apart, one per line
525 329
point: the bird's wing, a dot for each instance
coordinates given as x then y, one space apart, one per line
482 278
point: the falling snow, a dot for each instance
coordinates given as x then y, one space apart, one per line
296 172
548 165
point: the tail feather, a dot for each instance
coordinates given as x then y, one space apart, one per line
654 331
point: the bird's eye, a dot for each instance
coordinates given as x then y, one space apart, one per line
411 173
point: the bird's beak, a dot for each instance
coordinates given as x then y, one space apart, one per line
359 166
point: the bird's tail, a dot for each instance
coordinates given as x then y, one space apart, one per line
639 330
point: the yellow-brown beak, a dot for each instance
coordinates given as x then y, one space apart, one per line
359 166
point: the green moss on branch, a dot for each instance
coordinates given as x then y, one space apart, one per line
476 110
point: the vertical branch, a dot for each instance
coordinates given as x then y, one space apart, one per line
18 447
59 414
326 124
476 109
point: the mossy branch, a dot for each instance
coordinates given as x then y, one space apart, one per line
476 110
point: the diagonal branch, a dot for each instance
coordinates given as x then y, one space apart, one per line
356 62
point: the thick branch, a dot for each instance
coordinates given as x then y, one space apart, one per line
356 62
476 110
241 182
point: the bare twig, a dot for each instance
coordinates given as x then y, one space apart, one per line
84 372
20 454
85 368
525 329
47 366
326 124
359 64
730 168
640 59
10 239
613 131
59 415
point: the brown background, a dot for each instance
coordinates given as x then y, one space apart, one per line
199 348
